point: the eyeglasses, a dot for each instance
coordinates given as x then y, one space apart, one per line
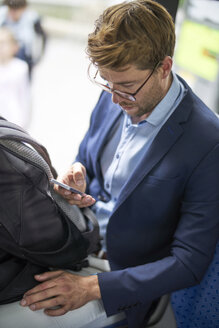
125 95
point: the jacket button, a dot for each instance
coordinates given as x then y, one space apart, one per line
121 308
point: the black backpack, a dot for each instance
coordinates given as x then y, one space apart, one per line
38 228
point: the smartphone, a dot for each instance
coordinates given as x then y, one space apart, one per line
65 186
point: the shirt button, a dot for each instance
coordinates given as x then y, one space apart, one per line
117 156
107 185
102 198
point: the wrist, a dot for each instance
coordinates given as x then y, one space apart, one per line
93 288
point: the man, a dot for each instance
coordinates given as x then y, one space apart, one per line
150 159
27 29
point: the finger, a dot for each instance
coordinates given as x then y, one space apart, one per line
67 177
56 187
52 303
75 169
73 197
48 275
57 312
39 297
41 287
83 202
60 190
87 204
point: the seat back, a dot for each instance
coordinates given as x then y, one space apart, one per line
198 306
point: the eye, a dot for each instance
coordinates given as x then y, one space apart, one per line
128 85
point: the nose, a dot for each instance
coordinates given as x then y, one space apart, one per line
116 98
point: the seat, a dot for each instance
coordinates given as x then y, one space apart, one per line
163 316
198 306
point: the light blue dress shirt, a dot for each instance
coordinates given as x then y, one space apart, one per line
123 152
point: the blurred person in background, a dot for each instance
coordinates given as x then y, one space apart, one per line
15 97
27 29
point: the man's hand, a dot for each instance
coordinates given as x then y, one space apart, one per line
61 292
76 178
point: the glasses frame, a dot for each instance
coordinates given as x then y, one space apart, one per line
125 95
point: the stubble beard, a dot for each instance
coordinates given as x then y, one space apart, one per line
148 106
149 101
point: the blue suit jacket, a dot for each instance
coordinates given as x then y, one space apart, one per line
163 231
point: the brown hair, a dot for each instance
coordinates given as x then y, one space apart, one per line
15 4
137 32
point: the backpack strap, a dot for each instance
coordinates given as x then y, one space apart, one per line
11 131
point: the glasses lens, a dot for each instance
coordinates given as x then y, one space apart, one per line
95 77
124 95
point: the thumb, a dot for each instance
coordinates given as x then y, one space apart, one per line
79 179
79 174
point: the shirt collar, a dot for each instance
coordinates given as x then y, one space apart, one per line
166 104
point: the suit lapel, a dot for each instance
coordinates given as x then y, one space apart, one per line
166 138
113 114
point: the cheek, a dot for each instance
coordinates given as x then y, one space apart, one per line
152 93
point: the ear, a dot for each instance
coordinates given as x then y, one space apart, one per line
166 66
